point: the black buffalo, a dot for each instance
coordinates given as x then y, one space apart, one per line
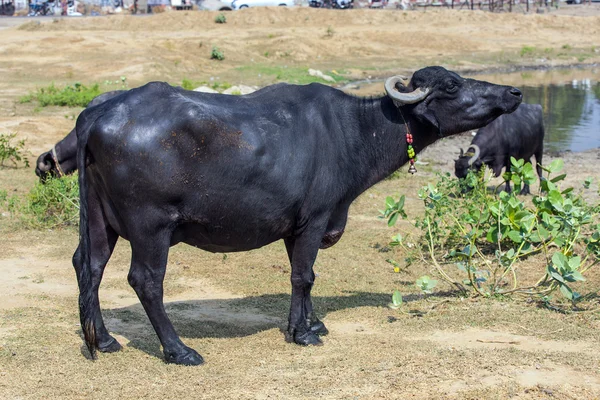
519 135
61 159
235 173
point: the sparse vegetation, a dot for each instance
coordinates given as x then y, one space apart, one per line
76 95
220 19
329 32
216 54
13 151
527 51
49 205
481 237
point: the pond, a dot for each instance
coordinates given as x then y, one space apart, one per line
570 99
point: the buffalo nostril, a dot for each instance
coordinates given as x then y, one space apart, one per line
516 92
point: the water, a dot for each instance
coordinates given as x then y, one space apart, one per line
571 114
570 100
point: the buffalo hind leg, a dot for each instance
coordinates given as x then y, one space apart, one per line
102 243
315 324
304 252
146 276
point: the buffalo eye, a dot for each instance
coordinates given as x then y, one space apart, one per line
451 87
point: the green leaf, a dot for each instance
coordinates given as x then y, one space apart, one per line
515 236
400 204
558 178
559 260
516 179
492 235
555 274
543 232
426 284
576 276
389 202
556 199
566 291
393 219
397 298
556 165
574 263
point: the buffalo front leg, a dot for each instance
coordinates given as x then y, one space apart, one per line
315 324
146 276
304 253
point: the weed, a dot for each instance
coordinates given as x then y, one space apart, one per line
266 54
484 235
527 51
220 19
13 152
52 204
76 95
216 54
329 32
296 75
566 46
187 84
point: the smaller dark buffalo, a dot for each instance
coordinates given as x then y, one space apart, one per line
61 160
519 135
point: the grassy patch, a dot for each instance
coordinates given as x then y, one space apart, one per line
297 75
76 95
50 205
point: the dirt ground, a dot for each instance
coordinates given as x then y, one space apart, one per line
231 309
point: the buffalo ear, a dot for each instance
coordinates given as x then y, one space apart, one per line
424 114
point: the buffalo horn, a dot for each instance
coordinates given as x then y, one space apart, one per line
462 153
476 155
403 98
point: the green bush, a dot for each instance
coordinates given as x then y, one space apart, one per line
50 205
220 19
480 236
76 95
216 54
11 151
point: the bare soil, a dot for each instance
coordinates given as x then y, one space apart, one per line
231 309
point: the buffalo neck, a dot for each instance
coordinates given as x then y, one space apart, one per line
383 146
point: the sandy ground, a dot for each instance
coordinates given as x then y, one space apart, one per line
232 309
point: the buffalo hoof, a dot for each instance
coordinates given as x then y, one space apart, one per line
187 356
308 338
318 328
111 346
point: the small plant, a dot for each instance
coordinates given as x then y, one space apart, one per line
329 32
76 95
566 46
13 152
52 204
216 54
485 235
527 51
220 19
187 84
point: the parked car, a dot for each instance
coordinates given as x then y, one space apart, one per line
239 4
214 5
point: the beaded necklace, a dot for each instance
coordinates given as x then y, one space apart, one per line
410 150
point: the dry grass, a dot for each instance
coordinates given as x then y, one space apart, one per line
232 309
